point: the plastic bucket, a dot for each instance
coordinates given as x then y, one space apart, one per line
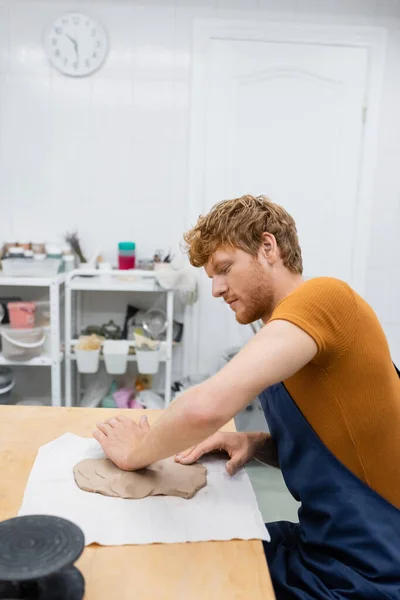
22 344
148 361
87 360
116 356
22 314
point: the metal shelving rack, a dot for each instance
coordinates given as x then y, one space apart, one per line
54 359
90 280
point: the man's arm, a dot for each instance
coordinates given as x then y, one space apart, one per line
276 353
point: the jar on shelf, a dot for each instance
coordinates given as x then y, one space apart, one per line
126 255
69 262
15 252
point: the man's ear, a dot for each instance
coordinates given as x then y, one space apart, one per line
269 247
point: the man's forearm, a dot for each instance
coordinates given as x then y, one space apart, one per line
178 428
267 453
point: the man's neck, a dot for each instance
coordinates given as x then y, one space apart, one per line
288 282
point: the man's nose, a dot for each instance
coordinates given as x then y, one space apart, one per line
219 288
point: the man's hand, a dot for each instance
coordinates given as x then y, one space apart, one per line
241 448
120 437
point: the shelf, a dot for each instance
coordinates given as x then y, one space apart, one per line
39 361
163 343
31 281
131 358
133 281
114 283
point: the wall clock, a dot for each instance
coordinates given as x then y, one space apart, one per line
76 45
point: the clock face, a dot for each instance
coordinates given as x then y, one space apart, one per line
76 45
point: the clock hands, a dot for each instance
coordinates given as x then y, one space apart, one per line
74 43
70 38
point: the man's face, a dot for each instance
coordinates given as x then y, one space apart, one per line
244 282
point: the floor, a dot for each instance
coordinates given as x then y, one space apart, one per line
273 498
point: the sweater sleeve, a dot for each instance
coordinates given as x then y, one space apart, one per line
326 309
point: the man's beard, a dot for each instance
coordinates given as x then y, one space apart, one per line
259 302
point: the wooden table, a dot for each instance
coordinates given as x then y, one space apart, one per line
233 570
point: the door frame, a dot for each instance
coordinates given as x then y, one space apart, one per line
373 39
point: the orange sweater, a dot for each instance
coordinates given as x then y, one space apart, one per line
350 392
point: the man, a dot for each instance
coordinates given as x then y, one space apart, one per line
334 421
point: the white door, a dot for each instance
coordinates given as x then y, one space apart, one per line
283 119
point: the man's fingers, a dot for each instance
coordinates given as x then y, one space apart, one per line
126 421
99 436
190 458
214 442
104 428
112 422
122 418
196 453
144 423
233 465
184 454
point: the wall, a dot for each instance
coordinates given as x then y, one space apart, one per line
107 154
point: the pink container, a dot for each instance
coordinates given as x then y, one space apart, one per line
22 314
126 255
126 262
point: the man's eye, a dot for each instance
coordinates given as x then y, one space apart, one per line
225 269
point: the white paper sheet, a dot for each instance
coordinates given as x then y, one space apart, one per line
225 509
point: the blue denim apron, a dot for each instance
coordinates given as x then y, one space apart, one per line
347 542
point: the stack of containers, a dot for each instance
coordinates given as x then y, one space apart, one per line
21 340
126 255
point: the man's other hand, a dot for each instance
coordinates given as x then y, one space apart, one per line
241 448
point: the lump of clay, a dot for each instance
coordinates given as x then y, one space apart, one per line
165 478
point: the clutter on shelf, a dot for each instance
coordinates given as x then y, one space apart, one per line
41 259
148 320
109 331
129 393
24 329
35 259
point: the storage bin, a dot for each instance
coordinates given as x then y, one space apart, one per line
116 356
148 361
21 314
29 267
87 360
22 344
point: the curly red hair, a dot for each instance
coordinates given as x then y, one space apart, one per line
240 223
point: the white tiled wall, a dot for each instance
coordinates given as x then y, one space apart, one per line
108 154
